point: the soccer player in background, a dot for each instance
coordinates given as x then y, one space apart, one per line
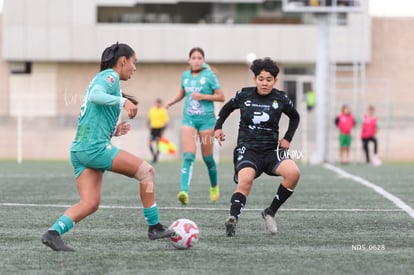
259 148
368 134
157 122
345 122
92 152
200 88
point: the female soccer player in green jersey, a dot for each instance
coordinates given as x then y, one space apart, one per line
200 88
92 152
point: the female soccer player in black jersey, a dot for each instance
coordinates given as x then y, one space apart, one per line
258 147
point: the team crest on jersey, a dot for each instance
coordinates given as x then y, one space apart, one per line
275 105
202 80
110 79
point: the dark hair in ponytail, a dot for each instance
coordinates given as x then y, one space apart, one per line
111 55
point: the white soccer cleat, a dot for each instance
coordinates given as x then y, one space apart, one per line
376 161
269 222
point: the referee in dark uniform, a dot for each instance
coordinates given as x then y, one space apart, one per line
258 147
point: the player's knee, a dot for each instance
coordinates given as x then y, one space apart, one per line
292 173
145 173
146 176
296 173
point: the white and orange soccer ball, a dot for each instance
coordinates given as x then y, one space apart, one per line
186 234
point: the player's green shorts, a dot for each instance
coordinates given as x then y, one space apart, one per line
344 140
200 122
97 158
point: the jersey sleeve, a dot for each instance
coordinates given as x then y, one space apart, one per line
99 96
214 82
106 91
294 119
226 110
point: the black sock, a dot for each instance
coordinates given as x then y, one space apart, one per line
281 196
237 202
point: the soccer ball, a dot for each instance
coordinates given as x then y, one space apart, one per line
186 234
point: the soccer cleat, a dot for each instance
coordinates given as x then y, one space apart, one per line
52 239
183 197
214 193
269 221
159 231
230 224
376 161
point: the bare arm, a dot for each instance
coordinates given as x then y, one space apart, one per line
217 96
180 95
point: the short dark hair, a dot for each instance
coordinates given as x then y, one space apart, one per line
112 53
265 64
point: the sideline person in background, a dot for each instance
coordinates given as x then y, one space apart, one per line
92 152
200 88
259 148
310 100
368 134
157 122
345 122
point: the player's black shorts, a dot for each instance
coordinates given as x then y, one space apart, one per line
266 162
155 133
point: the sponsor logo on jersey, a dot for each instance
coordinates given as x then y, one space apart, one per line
249 103
192 89
260 117
110 79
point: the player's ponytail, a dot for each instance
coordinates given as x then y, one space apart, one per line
112 53
130 98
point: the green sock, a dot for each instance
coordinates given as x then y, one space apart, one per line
62 225
186 170
151 215
212 169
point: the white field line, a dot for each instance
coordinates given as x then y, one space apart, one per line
397 201
202 208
